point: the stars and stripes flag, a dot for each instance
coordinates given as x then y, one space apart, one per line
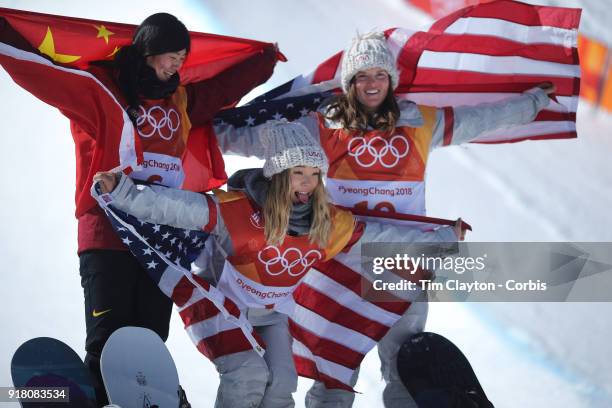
339 318
482 53
333 327
214 322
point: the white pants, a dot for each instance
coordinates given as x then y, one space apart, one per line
248 380
394 394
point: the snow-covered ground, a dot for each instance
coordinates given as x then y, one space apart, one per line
527 355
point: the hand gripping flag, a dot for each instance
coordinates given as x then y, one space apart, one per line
214 322
482 53
47 55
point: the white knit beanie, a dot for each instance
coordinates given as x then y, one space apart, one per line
289 144
368 51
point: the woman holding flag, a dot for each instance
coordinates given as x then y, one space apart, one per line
378 147
271 229
138 94
388 142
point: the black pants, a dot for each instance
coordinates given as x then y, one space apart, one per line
118 293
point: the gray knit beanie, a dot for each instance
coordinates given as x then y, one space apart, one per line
289 144
368 51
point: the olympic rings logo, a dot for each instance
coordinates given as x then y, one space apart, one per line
291 260
165 124
387 152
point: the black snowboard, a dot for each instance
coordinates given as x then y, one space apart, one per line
47 362
438 375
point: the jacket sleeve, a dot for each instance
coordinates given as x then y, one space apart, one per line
206 98
376 232
383 232
356 258
469 122
160 205
245 140
239 141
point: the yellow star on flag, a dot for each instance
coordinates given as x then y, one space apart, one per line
114 52
48 47
103 32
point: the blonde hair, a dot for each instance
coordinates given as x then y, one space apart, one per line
277 210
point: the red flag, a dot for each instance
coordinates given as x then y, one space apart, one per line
59 77
75 42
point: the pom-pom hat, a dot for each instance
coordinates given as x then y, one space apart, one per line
368 51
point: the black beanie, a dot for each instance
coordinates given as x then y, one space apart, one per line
160 33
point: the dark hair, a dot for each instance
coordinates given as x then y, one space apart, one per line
157 34
160 33
352 115
130 64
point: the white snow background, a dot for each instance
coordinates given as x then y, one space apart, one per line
526 354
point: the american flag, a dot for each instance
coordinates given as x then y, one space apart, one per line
482 53
260 110
479 54
214 323
333 327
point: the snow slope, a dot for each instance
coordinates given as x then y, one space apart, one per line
528 355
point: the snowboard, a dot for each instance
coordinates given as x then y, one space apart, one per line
438 375
48 362
138 370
